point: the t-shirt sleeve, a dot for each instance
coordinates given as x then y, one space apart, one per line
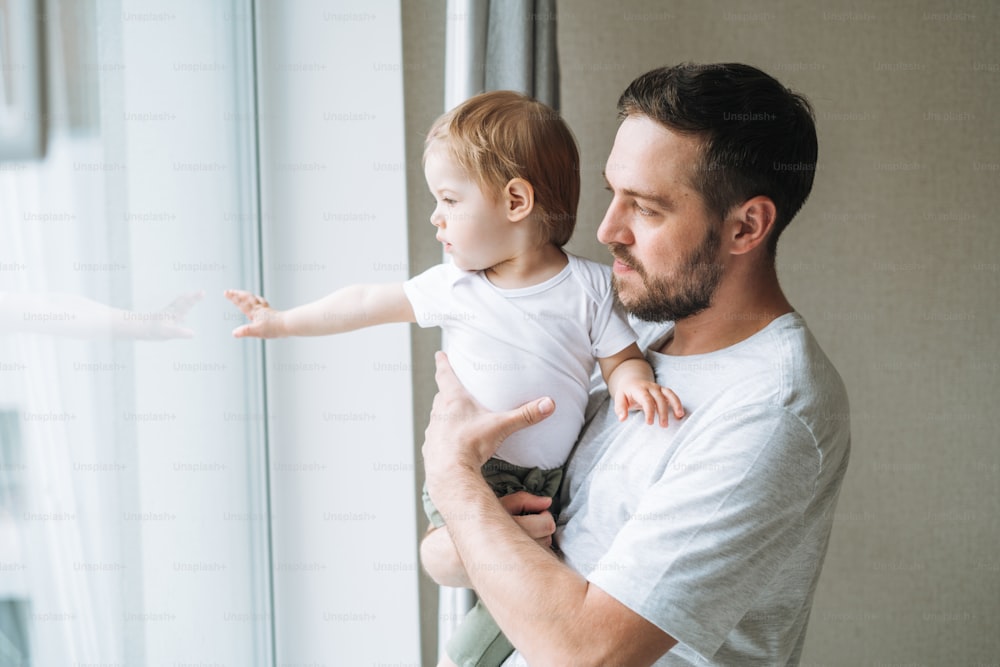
610 332
430 294
724 515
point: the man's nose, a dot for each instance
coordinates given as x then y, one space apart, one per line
613 228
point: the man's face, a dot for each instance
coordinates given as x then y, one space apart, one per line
658 228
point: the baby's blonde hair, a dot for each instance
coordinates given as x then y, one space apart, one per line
502 135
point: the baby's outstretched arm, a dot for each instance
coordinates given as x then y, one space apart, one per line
632 386
347 309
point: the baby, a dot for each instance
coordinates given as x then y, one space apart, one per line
523 318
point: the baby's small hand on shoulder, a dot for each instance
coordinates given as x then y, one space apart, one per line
654 400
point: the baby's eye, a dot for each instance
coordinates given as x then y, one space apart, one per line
448 201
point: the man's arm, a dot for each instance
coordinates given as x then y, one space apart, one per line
347 309
549 612
441 560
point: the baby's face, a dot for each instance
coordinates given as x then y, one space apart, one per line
473 228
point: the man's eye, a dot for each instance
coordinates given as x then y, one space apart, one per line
642 210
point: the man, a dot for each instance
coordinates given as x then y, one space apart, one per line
701 543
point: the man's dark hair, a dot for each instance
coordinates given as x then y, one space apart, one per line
759 137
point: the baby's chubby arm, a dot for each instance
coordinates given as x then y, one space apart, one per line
347 309
633 386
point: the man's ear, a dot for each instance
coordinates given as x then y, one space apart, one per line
750 224
519 199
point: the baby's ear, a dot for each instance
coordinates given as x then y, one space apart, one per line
519 198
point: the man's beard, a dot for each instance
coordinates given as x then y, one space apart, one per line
686 291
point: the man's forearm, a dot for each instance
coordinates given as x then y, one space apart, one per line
550 613
441 561
535 598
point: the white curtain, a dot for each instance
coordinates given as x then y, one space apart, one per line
126 490
58 532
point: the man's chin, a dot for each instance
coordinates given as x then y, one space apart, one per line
624 296
642 306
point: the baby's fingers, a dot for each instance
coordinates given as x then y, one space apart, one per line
647 402
666 402
674 402
621 406
662 406
247 302
261 327
241 332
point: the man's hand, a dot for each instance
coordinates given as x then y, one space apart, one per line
441 560
265 322
462 434
532 514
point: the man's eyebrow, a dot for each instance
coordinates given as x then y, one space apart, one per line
662 201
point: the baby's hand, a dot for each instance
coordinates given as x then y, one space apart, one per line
649 397
265 322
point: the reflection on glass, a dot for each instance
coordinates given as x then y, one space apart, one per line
78 317
22 127
132 493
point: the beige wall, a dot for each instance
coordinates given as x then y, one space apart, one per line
894 261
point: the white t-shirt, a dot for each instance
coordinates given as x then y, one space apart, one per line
509 346
715 528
